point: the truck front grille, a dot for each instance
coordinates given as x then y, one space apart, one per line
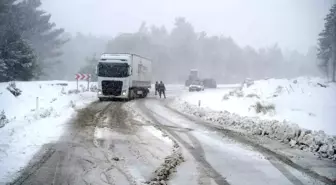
112 88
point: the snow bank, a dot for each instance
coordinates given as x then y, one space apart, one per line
302 101
29 124
303 108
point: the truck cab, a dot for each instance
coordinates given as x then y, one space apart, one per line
119 76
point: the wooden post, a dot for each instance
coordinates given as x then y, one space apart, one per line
88 85
333 60
37 103
77 84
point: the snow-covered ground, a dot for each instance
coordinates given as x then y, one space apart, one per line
303 115
37 117
303 101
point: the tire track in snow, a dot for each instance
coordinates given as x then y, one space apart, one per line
194 151
277 160
74 160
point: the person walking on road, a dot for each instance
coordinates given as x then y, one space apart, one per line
156 87
162 89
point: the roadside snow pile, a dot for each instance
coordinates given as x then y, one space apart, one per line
300 112
308 102
13 89
33 114
162 173
315 141
3 119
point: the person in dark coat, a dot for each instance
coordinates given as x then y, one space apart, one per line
156 87
162 89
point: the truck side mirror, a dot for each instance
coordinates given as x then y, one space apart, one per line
130 70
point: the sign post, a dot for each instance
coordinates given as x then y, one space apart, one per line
88 80
80 76
77 84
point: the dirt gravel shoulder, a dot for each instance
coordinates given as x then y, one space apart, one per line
104 144
320 169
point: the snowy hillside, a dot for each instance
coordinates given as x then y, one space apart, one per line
302 101
25 125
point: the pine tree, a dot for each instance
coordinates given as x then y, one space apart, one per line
17 59
42 35
327 44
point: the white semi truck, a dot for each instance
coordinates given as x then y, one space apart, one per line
125 76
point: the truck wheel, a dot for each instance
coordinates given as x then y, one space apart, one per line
146 92
101 99
130 94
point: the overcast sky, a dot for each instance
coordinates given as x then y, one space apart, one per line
293 24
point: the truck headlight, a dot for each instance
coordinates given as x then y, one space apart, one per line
99 91
124 92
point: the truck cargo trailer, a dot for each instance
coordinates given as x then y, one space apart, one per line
125 76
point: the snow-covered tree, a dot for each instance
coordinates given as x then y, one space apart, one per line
174 53
29 43
327 44
17 59
42 35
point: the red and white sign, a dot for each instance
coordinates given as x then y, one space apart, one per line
80 76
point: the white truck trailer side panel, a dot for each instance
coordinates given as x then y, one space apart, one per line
141 72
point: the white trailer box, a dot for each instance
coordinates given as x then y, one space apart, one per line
124 76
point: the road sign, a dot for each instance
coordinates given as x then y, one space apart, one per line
80 76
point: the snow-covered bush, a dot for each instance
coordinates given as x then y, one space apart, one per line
72 104
63 91
83 88
46 112
237 92
93 88
322 85
52 100
263 107
248 82
226 97
73 91
3 119
42 113
278 91
13 89
62 84
252 95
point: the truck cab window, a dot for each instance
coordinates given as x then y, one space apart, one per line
117 70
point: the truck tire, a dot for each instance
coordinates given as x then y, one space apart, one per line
101 99
146 93
130 94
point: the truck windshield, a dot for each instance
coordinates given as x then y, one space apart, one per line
106 69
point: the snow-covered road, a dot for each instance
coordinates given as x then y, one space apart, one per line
147 142
212 158
105 144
